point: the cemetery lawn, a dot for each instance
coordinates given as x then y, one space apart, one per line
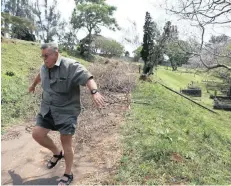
170 140
181 78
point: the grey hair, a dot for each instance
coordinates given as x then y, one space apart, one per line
52 46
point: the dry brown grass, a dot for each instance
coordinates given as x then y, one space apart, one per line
97 134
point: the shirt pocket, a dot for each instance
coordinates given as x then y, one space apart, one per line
60 85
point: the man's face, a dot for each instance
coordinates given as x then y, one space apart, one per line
50 57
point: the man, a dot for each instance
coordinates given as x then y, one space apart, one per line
60 106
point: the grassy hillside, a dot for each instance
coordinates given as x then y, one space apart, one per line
169 140
20 63
166 138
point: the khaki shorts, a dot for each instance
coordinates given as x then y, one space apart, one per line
48 123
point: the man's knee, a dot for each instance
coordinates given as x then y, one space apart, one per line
39 133
66 141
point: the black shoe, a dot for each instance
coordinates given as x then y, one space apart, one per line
67 182
51 164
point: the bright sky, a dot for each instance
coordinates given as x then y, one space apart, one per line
134 10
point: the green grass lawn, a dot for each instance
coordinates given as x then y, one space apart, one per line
170 140
181 78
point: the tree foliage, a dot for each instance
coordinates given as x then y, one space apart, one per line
48 20
92 15
176 55
20 8
137 53
17 27
150 35
17 19
203 14
218 39
153 44
106 47
130 34
68 42
127 54
175 48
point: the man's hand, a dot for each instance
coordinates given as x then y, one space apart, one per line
31 89
98 99
34 84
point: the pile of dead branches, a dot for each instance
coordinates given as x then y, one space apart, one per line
115 76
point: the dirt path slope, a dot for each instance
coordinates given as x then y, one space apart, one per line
97 151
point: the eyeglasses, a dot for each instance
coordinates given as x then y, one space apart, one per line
45 56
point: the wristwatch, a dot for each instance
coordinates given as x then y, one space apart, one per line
93 91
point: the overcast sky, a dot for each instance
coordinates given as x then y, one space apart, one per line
134 10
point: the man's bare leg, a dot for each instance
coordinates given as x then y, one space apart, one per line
40 135
68 154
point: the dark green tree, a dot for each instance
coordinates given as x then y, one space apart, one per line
218 39
154 44
176 49
177 56
68 42
127 54
17 27
151 33
106 47
159 48
92 15
17 19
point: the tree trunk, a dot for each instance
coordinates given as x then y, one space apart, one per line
229 91
174 66
89 42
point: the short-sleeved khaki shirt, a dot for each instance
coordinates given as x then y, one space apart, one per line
61 89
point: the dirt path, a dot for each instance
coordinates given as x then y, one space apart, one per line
97 150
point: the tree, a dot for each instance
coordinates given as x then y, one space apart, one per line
127 54
17 27
92 15
218 39
153 44
106 47
20 8
176 55
131 35
203 14
48 20
18 19
21 31
68 42
137 53
173 48
150 35
174 34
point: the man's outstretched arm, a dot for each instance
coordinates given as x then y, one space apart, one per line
34 84
96 96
